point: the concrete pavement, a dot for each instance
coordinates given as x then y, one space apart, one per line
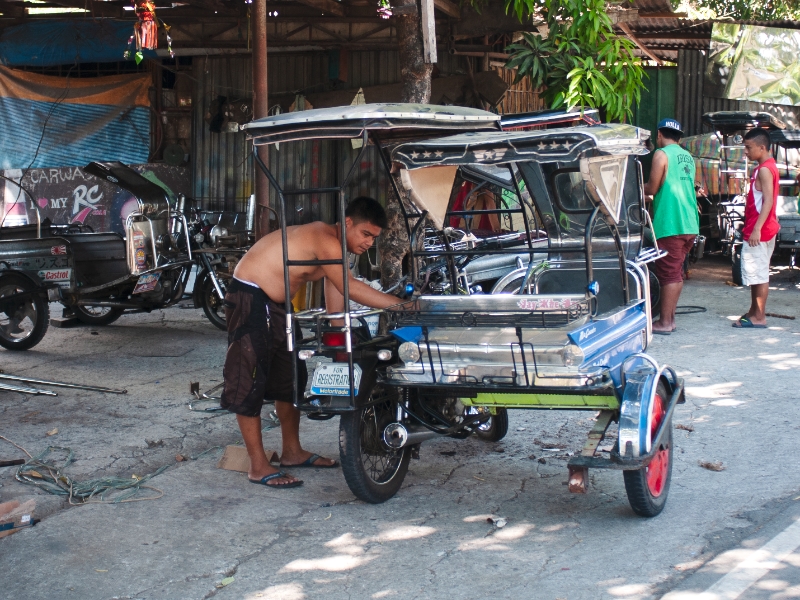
432 540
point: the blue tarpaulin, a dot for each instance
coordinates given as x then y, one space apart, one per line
49 42
60 122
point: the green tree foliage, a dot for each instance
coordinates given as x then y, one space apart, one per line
580 61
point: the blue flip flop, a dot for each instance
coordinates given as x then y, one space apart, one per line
744 322
280 486
309 464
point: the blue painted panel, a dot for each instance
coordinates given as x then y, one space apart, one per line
49 42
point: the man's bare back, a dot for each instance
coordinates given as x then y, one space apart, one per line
263 263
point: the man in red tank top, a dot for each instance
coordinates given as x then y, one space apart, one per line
760 228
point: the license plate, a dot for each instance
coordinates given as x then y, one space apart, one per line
332 379
146 283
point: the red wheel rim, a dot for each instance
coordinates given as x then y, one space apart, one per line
657 469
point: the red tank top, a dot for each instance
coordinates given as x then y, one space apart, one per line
752 209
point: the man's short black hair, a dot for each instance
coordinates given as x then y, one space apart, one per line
366 209
759 136
670 134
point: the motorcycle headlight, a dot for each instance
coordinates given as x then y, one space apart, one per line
218 231
199 238
571 355
408 352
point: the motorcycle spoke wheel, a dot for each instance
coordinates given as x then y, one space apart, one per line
97 315
380 462
374 472
213 305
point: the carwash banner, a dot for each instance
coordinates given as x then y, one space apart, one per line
62 121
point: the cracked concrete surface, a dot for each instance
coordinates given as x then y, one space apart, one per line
432 540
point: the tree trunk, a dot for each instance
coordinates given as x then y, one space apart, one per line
414 73
415 76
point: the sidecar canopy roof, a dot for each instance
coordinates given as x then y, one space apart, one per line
563 145
788 138
351 122
730 121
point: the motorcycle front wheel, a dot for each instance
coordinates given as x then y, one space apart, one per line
373 471
212 304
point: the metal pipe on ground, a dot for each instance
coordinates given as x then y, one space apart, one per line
74 386
26 390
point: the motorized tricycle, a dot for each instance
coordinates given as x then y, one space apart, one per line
570 334
96 276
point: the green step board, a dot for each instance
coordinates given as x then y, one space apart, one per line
565 401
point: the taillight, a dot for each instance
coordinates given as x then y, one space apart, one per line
333 338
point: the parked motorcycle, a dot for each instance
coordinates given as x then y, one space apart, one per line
98 276
216 252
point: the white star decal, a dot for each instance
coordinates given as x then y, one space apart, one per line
567 145
426 154
542 146
554 145
439 154
415 155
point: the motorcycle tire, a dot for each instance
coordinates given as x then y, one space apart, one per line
495 429
373 471
27 321
212 304
97 315
736 265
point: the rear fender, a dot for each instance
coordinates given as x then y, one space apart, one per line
32 277
640 383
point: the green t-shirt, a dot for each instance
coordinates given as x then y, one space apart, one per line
675 204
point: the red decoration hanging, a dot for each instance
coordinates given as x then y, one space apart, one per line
146 30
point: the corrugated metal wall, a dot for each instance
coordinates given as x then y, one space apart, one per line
221 162
691 103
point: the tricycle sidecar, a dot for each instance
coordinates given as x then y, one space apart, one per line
96 276
571 334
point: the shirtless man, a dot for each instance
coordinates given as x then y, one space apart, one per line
257 364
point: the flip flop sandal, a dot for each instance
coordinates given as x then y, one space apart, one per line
309 464
662 332
279 486
745 323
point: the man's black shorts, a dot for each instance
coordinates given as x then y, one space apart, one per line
257 364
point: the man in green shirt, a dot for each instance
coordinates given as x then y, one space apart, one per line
676 221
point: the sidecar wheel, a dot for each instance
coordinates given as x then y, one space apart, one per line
648 487
496 428
213 306
373 471
23 323
97 315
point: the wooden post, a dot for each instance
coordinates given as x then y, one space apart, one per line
428 31
260 110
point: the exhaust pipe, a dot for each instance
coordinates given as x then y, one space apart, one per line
396 436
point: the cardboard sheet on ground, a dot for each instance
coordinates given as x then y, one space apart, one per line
235 459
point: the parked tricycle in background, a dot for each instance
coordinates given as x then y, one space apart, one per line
726 171
569 333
